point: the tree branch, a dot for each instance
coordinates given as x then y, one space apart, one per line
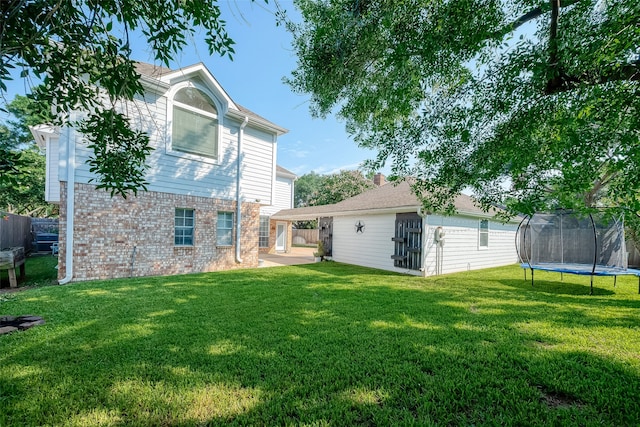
536 13
565 82
557 76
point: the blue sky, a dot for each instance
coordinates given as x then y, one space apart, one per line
254 79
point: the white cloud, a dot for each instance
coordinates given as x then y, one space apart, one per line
351 166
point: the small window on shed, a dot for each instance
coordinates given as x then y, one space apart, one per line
483 233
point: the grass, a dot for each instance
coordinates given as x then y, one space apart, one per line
325 344
39 271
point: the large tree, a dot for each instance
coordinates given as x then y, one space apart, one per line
81 51
22 190
306 188
341 185
532 104
313 189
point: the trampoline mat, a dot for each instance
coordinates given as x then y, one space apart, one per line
584 269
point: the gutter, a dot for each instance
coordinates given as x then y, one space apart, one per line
257 121
425 224
318 211
71 181
238 192
153 84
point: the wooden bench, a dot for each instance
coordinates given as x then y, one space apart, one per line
9 260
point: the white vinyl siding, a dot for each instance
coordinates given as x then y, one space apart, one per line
52 182
371 248
283 198
182 175
374 247
257 161
284 193
461 251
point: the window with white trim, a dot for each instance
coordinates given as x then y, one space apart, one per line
224 230
194 124
184 224
263 234
483 233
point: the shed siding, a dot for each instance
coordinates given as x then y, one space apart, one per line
461 250
169 173
371 248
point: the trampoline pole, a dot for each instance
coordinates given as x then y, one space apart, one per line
525 274
561 277
532 281
591 292
615 279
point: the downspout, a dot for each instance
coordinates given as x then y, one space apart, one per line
71 181
425 222
274 167
238 192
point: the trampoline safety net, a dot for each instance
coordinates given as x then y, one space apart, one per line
572 241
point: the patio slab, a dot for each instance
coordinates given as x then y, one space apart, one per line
295 256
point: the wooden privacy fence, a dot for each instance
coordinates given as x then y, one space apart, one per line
305 236
15 230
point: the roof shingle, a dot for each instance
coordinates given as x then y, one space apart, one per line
395 197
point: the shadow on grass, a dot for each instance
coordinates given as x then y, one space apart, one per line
559 287
39 271
318 344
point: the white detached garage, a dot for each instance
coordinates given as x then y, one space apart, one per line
385 228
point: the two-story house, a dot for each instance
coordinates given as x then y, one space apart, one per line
211 173
276 236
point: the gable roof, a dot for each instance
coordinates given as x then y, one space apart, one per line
386 198
280 171
151 70
161 76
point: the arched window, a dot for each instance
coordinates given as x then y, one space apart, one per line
195 123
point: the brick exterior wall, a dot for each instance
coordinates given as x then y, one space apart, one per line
272 237
133 237
271 249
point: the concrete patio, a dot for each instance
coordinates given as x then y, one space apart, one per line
296 256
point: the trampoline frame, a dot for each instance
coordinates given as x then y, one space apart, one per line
579 269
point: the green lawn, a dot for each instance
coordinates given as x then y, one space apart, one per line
325 344
39 271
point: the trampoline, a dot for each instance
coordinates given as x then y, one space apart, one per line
569 242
